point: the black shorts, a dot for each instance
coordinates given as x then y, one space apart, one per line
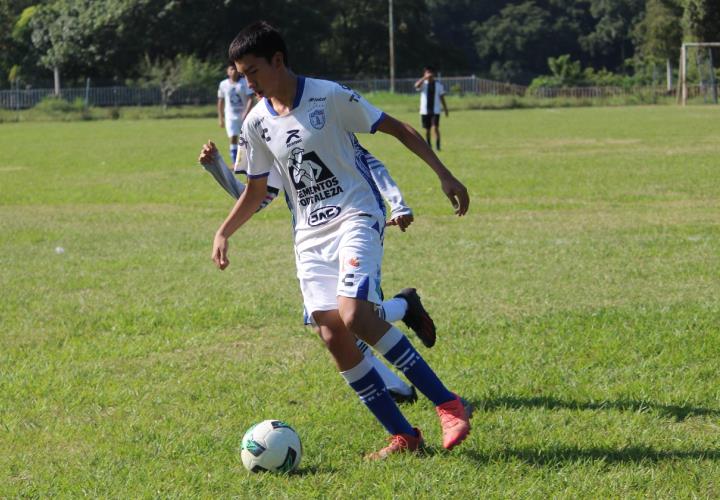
428 120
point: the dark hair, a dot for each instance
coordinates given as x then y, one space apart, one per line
429 68
259 39
230 63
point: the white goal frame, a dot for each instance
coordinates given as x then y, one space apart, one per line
683 89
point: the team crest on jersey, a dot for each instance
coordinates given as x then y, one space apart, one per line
317 118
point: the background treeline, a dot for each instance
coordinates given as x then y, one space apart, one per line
144 41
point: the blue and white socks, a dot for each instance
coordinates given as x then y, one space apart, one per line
233 152
393 310
399 351
371 390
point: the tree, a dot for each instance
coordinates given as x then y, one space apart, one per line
701 20
610 38
169 75
659 34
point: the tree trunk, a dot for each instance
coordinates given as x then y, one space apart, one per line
56 77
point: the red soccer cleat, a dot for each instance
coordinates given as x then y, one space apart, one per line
399 443
455 422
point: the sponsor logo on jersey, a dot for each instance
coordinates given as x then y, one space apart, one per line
293 138
317 118
320 216
354 262
313 180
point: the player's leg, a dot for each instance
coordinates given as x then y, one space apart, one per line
361 253
364 379
233 148
318 278
408 307
232 127
436 130
426 125
399 390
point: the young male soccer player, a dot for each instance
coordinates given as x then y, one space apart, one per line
432 94
234 103
304 130
405 306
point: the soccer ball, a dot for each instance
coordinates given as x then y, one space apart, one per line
271 446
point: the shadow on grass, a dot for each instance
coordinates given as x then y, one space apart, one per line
677 412
562 454
312 470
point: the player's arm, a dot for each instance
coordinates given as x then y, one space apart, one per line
221 111
420 81
246 206
408 136
444 104
400 213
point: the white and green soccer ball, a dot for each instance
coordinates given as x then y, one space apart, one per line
271 446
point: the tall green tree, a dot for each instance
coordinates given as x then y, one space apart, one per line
701 20
610 41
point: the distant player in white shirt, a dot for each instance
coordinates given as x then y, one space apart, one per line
405 306
432 95
235 100
304 131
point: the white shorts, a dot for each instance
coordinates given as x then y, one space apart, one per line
232 127
347 264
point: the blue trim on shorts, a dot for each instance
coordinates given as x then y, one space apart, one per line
258 176
363 288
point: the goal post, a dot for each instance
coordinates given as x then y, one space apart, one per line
683 76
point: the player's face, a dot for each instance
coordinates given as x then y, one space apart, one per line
232 73
262 75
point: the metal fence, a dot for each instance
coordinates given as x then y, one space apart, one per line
133 96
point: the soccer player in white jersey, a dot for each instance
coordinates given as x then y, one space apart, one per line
304 130
405 306
234 102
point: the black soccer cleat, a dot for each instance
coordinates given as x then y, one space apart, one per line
417 318
404 398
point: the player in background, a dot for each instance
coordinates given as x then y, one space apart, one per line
304 130
432 94
405 306
234 102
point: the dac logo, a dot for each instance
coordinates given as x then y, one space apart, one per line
322 215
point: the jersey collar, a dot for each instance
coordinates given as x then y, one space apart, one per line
296 102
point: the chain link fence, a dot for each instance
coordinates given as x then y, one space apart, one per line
471 85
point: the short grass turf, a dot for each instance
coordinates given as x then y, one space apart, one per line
577 308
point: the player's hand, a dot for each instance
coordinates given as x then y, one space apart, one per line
207 153
447 113
219 255
457 194
401 221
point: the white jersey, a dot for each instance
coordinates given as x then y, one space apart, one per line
236 95
323 168
428 93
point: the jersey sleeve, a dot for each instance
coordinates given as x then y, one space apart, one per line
441 89
257 158
221 94
353 112
388 188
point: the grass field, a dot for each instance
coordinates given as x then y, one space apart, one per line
578 307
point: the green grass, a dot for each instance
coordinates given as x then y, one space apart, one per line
577 307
